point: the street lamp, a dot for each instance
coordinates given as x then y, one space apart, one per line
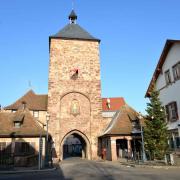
47 121
47 137
179 134
142 137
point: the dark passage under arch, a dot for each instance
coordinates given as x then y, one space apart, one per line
74 146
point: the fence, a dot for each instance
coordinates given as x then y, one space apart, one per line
6 159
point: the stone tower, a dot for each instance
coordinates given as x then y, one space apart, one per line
74 94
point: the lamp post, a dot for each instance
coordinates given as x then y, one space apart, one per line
47 137
178 135
47 121
143 151
142 138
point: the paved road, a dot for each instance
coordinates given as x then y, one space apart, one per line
76 169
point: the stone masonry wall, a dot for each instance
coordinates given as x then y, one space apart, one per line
65 55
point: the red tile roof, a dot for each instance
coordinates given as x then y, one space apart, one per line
39 102
115 104
121 124
33 102
29 127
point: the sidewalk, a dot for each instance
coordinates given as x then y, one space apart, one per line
147 164
140 164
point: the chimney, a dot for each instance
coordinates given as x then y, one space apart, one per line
108 103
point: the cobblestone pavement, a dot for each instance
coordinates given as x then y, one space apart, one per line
77 169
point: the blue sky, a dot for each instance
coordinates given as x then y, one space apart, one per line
132 33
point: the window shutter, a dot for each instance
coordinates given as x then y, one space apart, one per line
174 73
176 109
167 112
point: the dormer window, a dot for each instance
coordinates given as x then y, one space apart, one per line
17 124
18 119
135 124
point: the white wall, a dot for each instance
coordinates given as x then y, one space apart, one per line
171 92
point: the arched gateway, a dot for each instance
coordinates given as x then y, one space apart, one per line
75 144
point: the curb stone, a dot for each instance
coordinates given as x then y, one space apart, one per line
28 171
150 166
142 166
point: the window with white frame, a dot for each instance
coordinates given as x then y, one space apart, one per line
36 114
176 71
171 111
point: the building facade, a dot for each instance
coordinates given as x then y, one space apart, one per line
20 137
167 81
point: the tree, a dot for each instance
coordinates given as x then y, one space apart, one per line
155 131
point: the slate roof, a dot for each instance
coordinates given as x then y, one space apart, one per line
74 31
121 123
29 127
33 102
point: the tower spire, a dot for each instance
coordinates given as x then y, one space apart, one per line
72 17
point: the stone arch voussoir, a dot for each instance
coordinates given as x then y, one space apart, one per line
83 94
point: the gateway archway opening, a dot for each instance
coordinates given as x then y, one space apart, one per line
74 146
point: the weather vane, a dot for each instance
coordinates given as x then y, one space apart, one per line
73 4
